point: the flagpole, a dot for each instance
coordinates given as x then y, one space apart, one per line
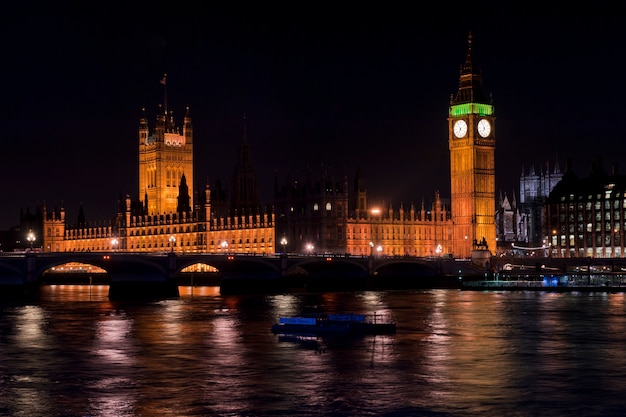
164 82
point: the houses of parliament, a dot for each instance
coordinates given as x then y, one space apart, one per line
315 215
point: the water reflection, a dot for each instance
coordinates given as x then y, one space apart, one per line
75 353
57 293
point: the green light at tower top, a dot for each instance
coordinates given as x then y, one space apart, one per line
471 108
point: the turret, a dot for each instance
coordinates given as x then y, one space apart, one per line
143 128
207 205
53 230
187 128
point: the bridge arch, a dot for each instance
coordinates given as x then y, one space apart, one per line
73 272
328 267
406 268
112 264
201 267
230 265
11 273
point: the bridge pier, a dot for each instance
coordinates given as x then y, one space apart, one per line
154 275
283 264
31 287
142 285
19 283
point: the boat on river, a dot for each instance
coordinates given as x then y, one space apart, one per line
335 325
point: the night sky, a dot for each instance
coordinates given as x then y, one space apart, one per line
323 89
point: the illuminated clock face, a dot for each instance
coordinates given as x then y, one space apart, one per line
484 128
460 128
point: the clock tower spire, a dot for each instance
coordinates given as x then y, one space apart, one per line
472 144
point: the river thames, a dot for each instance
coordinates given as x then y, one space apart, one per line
456 353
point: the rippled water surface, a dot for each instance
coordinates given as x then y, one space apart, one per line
456 353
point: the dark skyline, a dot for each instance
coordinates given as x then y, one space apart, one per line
321 90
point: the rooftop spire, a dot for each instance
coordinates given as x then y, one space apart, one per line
470 80
244 137
469 62
164 84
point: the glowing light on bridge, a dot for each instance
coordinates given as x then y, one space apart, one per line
31 238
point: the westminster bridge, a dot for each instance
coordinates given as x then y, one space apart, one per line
155 274
138 275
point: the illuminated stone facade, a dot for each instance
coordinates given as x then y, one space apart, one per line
535 187
322 216
472 144
180 232
389 232
512 226
165 155
308 216
165 218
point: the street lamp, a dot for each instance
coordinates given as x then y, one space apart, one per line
283 242
31 238
172 240
224 245
371 248
114 243
309 248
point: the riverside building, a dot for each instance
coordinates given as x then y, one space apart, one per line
320 216
308 216
166 217
585 217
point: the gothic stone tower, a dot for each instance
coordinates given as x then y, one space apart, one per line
165 154
245 197
472 144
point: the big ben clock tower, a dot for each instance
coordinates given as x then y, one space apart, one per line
472 144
